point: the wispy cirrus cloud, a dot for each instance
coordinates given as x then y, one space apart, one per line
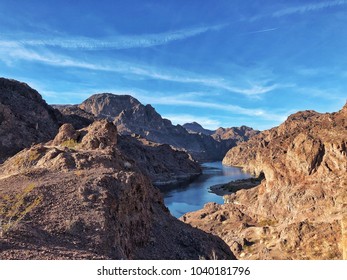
116 42
308 8
11 52
183 100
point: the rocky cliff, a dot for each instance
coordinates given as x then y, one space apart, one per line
25 118
299 210
80 197
131 116
164 165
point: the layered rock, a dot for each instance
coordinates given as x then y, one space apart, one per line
25 118
82 198
298 210
131 117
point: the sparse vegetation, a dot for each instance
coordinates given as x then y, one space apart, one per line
33 155
267 223
13 208
71 143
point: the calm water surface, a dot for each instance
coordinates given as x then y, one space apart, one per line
195 195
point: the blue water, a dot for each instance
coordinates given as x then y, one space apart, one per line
195 195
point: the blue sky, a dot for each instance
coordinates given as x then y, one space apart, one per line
220 63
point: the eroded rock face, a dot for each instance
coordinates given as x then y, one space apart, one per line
25 118
297 211
92 204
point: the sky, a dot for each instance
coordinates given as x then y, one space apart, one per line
220 63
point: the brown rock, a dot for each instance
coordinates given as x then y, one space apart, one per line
302 201
131 117
25 118
91 204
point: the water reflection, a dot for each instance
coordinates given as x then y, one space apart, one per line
195 195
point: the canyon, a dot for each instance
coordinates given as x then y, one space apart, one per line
79 195
79 182
298 210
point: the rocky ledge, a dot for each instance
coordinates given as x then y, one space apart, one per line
299 210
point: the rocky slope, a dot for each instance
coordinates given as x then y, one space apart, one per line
237 134
80 197
164 165
25 118
299 210
131 116
227 137
74 115
195 127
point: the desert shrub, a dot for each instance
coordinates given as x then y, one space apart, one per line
71 143
13 208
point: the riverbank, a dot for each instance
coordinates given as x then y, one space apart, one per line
193 196
234 186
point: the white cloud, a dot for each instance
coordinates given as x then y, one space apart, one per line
117 42
10 52
182 100
308 8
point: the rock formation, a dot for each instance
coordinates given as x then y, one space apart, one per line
164 165
299 210
74 115
80 197
195 127
25 118
237 134
131 117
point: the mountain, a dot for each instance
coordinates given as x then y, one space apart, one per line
80 197
299 211
25 118
194 127
74 115
235 134
131 116
238 134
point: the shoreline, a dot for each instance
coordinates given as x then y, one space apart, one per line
234 186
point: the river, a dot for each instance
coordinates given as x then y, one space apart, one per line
195 195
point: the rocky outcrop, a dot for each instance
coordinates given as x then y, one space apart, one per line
237 134
131 117
195 127
74 115
164 165
83 198
298 210
25 118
